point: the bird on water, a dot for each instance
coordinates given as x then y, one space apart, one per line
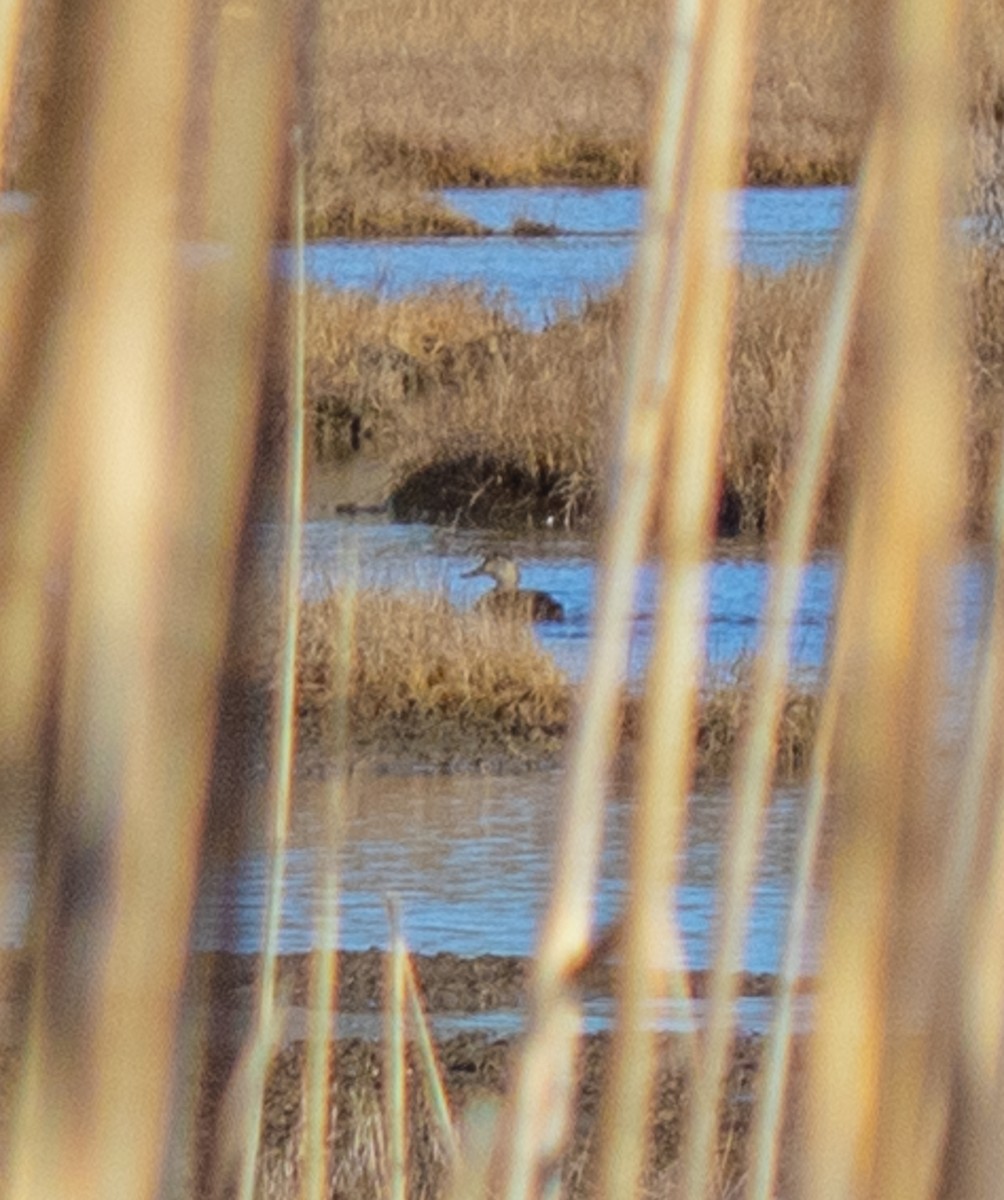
507 598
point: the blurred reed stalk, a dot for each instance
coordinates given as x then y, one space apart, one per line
281 783
535 1121
756 761
976 868
768 1117
395 1099
699 310
11 26
323 992
879 1094
431 1071
120 551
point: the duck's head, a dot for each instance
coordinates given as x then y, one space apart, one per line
499 567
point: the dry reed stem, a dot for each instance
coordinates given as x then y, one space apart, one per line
11 26
534 1123
88 1124
319 1131
655 825
976 956
708 290
395 1099
280 790
979 1045
878 1097
753 777
972 1049
756 760
432 1073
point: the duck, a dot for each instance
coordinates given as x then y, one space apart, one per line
507 598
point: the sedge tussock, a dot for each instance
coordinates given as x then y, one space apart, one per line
419 666
481 422
431 677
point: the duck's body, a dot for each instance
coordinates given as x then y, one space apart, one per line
508 599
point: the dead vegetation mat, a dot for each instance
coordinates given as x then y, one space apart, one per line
476 1070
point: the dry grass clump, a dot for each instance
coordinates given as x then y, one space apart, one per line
777 320
450 94
724 718
481 422
477 1069
453 686
524 435
378 205
369 360
402 98
420 671
984 326
812 99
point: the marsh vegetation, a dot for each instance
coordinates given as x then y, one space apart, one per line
465 416
401 99
429 683
154 419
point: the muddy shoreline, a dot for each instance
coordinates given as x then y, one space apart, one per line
476 1069
450 983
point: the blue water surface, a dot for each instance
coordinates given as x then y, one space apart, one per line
541 277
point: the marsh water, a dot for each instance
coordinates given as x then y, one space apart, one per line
468 855
591 250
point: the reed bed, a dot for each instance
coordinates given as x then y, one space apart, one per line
403 99
129 631
428 682
473 419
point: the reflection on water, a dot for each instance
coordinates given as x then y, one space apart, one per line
470 858
776 227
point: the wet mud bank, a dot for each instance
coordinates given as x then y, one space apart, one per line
450 983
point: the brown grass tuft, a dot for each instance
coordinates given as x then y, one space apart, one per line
483 423
439 684
422 673
401 99
725 716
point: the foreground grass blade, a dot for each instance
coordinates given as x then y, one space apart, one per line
431 1071
756 763
705 306
534 1123
698 309
88 1123
877 1097
395 1102
320 1133
11 24
323 989
768 1117
282 775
